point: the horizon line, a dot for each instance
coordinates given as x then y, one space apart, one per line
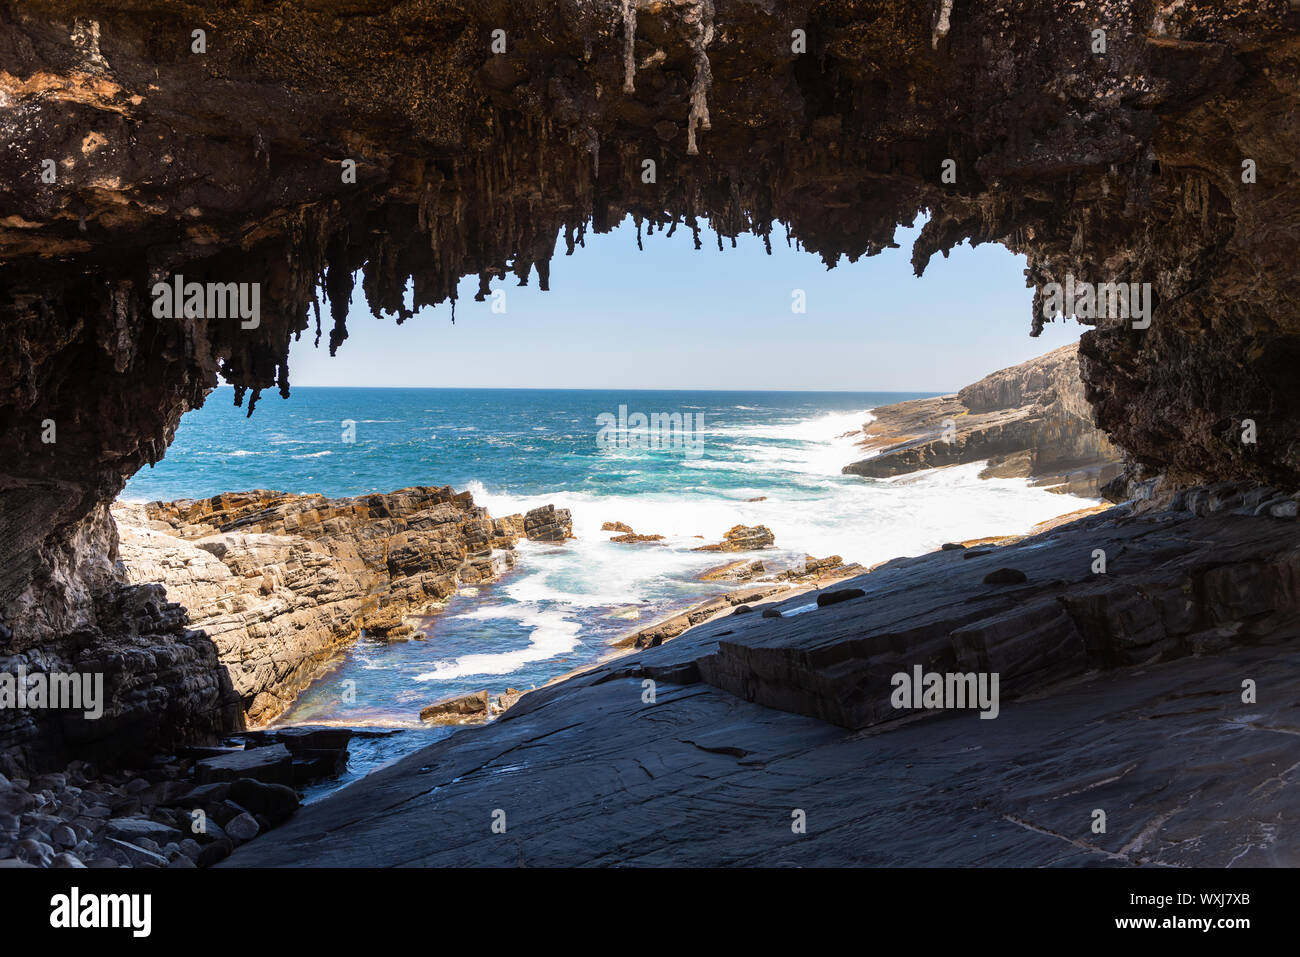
508 388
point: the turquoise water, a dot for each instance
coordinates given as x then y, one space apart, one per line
516 449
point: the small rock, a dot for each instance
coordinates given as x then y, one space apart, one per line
34 852
1006 576
139 830
51 782
634 539
66 860
835 597
1284 510
242 828
457 709
215 852
134 855
771 613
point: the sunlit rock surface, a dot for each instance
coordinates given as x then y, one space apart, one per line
1027 421
283 583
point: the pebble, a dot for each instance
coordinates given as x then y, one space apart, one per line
84 818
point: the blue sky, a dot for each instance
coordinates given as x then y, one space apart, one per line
674 318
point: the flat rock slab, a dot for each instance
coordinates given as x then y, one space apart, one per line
272 764
1186 773
1120 692
134 828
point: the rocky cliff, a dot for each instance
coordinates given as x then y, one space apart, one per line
282 583
1031 421
233 604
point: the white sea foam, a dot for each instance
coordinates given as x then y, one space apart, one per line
552 634
810 507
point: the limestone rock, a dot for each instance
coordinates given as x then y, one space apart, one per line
741 571
1030 420
475 706
742 538
548 524
281 584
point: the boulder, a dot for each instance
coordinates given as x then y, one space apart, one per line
740 571
273 764
742 538
136 829
634 539
459 709
317 764
1005 576
242 828
548 524
275 802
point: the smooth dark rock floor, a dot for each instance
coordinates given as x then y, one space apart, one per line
1186 772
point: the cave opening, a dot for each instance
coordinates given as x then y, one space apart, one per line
436 153
772 377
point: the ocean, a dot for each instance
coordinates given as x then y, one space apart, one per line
769 458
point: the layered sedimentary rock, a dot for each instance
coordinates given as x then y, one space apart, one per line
1109 698
742 538
286 148
282 583
548 524
1030 420
219 611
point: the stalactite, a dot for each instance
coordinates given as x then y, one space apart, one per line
943 24
702 14
629 46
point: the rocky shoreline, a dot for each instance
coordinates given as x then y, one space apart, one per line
213 614
1121 689
283 583
1028 421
